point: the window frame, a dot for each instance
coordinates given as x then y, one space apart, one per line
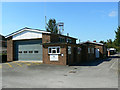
92 50
89 50
30 51
36 52
69 50
79 50
61 39
69 40
25 52
20 52
54 48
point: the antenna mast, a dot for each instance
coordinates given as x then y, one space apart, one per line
45 22
60 26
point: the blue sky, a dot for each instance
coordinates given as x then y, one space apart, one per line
83 20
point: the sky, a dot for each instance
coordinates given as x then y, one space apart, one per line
83 20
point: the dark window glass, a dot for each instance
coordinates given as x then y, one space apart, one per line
20 51
30 51
49 50
61 39
25 51
35 51
58 50
53 51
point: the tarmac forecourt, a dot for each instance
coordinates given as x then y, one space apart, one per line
19 64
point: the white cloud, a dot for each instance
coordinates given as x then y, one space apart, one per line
113 14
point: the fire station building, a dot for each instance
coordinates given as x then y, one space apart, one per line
30 44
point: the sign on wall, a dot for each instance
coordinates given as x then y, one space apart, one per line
53 57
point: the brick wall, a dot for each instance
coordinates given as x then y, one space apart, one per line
74 57
101 50
70 57
46 38
54 38
89 56
9 49
46 56
105 53
84 53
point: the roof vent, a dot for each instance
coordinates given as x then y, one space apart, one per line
26 28
67 34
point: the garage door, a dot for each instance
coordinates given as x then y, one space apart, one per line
28 50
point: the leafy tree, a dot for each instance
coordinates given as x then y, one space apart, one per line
116 42
52 26
109 43
102 42
117 39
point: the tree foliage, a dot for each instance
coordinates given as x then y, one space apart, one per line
117 39
52 26
115 43
110 43
102 42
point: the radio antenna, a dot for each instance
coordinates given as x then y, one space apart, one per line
45 22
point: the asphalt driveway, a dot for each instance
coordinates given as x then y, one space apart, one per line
98 74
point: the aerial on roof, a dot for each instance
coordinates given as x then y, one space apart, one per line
26 29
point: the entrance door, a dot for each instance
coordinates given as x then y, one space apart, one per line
97 53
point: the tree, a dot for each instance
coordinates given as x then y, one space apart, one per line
109 43
117 38
102 42
52 26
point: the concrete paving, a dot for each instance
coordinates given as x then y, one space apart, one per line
98 74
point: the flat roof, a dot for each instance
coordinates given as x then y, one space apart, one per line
59 43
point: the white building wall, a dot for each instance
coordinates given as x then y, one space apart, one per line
27 35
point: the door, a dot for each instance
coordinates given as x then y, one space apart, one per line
97 53
29 50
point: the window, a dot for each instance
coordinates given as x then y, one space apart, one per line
61 39
20 51
30 51
25 51
92 50
88 50
58 50
53 50
69 40
79 50
69 49
35 51
49 51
